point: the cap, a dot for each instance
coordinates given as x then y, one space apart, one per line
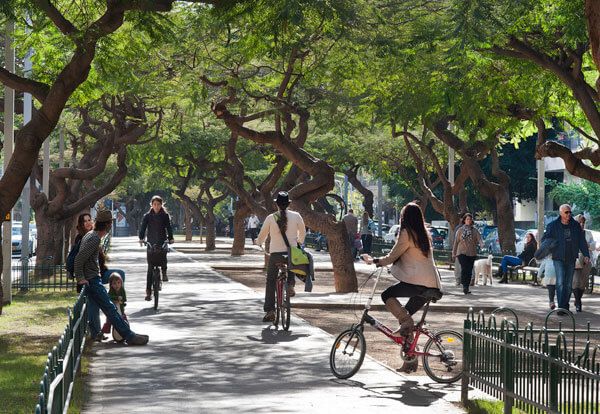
283 199
103 216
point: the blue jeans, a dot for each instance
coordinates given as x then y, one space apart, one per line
510 261
98 298
564 282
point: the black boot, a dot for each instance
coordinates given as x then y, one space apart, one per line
504 278
578 293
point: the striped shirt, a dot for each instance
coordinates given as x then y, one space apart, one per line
86 261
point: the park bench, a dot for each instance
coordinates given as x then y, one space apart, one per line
530 268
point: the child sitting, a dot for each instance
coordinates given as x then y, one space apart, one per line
117 295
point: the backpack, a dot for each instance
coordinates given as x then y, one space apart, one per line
70 265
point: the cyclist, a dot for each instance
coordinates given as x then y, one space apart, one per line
412 264
158 223
293 226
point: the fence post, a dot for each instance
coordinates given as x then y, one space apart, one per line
508 374
554 378
464 386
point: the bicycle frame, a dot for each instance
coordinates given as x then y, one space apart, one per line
409 348
280 282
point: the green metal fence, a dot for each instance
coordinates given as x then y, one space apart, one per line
537 371
27 275
63 362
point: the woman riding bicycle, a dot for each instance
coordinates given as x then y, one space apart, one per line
412 264
158 223
293 226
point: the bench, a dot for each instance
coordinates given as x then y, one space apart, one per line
530 268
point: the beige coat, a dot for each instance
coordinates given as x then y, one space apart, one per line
466 245
410 265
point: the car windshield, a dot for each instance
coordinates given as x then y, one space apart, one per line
16 230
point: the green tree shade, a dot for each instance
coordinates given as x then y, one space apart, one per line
583 196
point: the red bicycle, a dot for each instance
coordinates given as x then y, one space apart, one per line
282 299
442 353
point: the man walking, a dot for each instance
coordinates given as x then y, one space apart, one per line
570 240
351 223
253 223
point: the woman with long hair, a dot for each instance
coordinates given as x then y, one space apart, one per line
413 265
158 224
582 269
465 248
287 222
522 259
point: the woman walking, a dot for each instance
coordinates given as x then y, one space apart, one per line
465 249
582 269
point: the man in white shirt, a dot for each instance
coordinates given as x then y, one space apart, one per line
253 223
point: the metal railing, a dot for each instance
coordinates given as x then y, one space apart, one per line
548 370
63 362
30 276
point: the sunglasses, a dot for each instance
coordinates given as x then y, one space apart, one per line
567 212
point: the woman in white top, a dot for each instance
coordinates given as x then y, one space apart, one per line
293 226
582 271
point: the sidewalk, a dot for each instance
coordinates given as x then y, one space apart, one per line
209 353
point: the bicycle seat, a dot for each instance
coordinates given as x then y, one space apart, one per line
432 294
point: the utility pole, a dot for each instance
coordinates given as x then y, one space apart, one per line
9 137
380 206
451 164
541 196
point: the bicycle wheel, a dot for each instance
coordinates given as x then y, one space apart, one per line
347 353
156 285
285 307
443 359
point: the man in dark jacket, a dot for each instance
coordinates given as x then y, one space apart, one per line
158 224
570 239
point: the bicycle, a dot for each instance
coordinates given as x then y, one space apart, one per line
442 353
282 298
155 258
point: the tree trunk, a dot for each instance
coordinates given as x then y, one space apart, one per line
340 252
50 240
239 234
211 231
506 221
188 223
339 247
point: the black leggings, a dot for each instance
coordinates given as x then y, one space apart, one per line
406 290
466 269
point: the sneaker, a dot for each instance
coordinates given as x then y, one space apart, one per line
291 291
138 340
269 316
100 337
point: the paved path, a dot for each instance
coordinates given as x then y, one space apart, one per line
209 353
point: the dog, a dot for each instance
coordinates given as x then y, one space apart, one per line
483 267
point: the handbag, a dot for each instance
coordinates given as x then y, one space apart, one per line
298 260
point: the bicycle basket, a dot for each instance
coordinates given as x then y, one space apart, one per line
156 255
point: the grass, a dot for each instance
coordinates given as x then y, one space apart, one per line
487 407
29 328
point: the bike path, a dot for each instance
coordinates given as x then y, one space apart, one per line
209 352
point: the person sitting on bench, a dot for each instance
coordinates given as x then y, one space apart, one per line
521 260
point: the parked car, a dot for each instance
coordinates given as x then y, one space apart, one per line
390 236
439 237
491 243
16 238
